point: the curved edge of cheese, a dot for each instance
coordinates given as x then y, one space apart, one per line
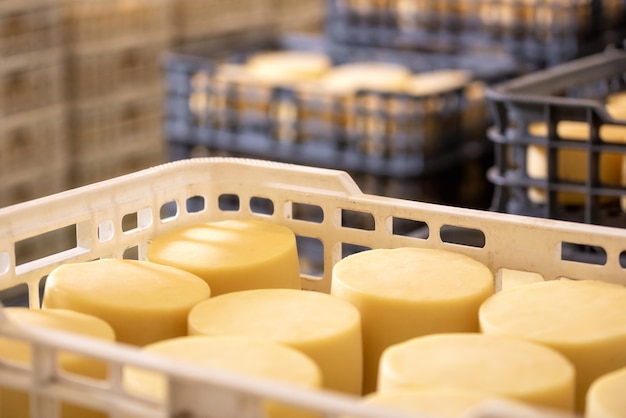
495 365
348 78
246 356
403 293
605 398
325 328
142 301
509 278
437 81
285 67
232 255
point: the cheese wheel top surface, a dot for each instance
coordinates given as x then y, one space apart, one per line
348 78
496 365
252 357
287 66
213 245
58 319
414 274
284 315
558 311
605 398
432 82
126 284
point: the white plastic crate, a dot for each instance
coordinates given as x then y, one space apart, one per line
166 197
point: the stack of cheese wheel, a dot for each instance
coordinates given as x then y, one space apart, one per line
144 302
605 397
253 357
584 320
496 366
325 328
403 293
14 403
572 164
232 255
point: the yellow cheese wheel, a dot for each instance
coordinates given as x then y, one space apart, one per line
572 164
232 255
15 403
584 320
403 293
495 365
509 279
252 357
437 81
325 328
379 76
605 397
287 67
144 302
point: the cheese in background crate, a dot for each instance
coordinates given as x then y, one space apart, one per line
144 302
572 164
616 107
251 357
382 76
14 403
287 67
494 365
325 328
403 293
232 255
584 320
605 397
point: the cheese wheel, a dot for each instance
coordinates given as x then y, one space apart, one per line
572 164
403 293
605 397
15 403
509 278
495 365
584 320
232 255
437 81
380 76
144 302
251 357
325 328
287 67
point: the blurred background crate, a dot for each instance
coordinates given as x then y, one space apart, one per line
560 141
29 25
538 33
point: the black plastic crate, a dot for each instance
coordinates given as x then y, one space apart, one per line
317 136
539 33
571 117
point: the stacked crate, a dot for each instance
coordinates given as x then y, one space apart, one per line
33 152
115 85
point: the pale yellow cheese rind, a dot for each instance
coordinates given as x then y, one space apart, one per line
15 403
585 320
232 255
321 326
437 81
348 78
605 398
403 293
495 365
143 302
251 357
287 67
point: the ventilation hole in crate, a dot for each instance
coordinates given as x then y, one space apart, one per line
131 253
195 204
168 211
311 254
228 202
129 222
15 296
42 288
261 205
622 259
5 262
306 212
410 228
44 245
462 236
106 231
137 221
583 253
349 249
357 220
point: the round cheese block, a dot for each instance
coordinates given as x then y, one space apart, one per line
584 320
232 255
252 357
325 328
15 403
403 293
572 164
144 302
437 81
287 67
605 397
498 366
380 76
